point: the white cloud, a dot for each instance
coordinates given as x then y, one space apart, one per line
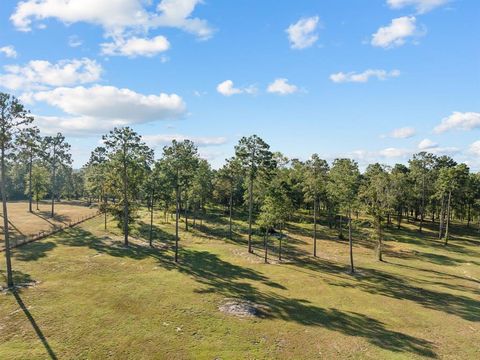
394 152
422 6
362 77
403 133
74 41
303 34
396 33
135 46
427 144
227 88
9 51
109 102
475 148
459 121
282 87
41 74
165 139
115 16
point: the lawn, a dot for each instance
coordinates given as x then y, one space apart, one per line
24 225
96 299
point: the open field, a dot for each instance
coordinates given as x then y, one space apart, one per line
24 224
96 299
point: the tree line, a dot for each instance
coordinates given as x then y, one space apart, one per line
123 176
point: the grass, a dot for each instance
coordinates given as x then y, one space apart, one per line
24 224
97 299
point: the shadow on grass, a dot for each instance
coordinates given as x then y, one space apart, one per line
229 280
33 251
381 283
158 234
34 324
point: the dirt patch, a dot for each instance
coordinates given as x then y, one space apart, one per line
240 308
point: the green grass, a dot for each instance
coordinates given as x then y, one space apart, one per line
96 299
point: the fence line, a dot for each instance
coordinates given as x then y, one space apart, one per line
26 239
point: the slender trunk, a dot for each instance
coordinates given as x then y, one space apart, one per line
442 218
177 215
151 217
315 227
379 235
250 209
125 203
53 190
194 215
6 232
423 203
399 219
280 247
230 215
469 218
448 217
350 240
265 245
340 221
37 201
186 211
105 211
30 192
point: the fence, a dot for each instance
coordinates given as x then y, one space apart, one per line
19 240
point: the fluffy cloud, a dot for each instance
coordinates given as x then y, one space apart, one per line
9 51
396 33
401 133
475 148
282 87
394 152
41 74
109 102
303 34
135 46
227 88
422 6
459 121
427 144
362 77
115 16
161 140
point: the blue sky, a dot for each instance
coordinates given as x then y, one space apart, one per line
373 80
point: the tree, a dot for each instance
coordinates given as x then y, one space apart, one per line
255 157
29 142
201 187
401 186
376 195
56 154
275 210
420 170
13 117
230 176
96 178
37 182
181 160
315 185
129 159
343 188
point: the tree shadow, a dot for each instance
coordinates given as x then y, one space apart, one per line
34 324
381 283
33 251
143 230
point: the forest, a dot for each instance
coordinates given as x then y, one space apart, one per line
124 175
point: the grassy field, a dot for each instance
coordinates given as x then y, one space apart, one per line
24 224
95 299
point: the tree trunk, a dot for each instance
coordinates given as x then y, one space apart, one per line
399 219
469 215
350 240
53 191
151 217
448 217
30 192
280 247
315 227
177 215
230 215
380 244
186 211
125 203
442 218
5 222
423 203
265 245
250 209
